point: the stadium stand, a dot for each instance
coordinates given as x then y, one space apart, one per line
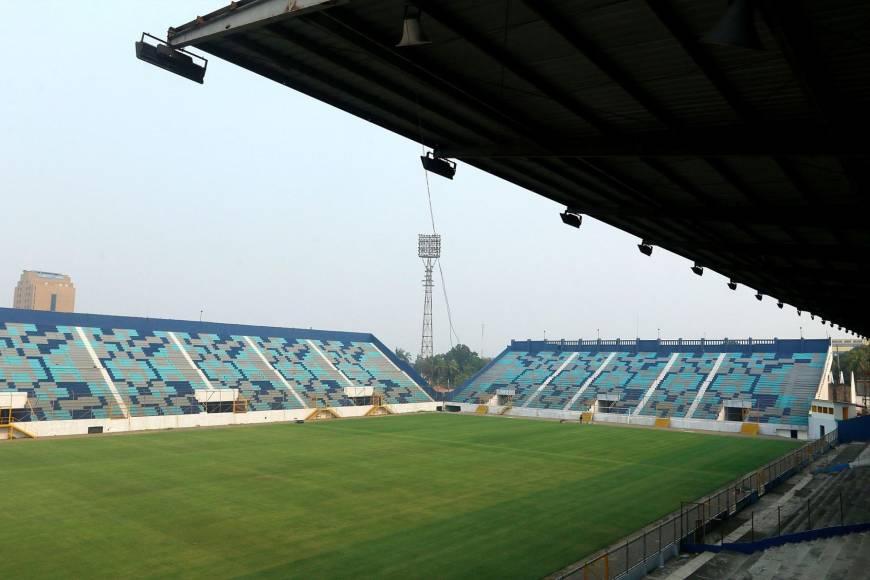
80 366
680 386
305 369
52 365
782 387
770 382
556 394
627 377
231 363
147 370
521 370
363 363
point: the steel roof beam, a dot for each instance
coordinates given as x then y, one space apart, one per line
699 53
553 92
502 57
523 71
240 16
341 24
610 68
791 27
751 141
600 59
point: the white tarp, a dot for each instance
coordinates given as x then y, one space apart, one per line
216 395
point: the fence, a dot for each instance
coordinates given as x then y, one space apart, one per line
647 549
111 408
825 515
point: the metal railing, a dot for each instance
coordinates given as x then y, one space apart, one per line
647 547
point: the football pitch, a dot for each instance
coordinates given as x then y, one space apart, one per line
429 495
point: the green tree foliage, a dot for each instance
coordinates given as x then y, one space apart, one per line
856 360
452 368
404 355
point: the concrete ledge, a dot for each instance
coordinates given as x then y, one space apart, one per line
80 426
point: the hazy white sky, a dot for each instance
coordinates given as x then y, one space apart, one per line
260 205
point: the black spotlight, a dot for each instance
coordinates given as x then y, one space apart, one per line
732 284
759 296
438 166
799 312
736 27
812 316
412 29
779 304
645 248
823 321
571 218
698 269
832 324
177 61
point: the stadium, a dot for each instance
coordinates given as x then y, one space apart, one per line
723 132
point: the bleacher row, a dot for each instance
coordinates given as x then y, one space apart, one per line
69 371
776 379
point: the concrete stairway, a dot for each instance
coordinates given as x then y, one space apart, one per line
830 559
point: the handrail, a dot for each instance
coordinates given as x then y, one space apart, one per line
617 558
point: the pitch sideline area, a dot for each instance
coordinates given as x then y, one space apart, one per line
426 495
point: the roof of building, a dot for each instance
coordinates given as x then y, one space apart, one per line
51 275
752 163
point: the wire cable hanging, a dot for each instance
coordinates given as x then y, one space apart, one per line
452 334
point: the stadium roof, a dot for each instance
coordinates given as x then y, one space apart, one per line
753 163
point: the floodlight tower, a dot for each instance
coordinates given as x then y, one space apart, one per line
429 249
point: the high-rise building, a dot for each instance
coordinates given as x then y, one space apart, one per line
45 291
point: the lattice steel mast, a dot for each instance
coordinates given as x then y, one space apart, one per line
429 249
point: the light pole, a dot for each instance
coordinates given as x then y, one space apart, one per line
429 249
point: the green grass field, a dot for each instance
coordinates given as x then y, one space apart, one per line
403 496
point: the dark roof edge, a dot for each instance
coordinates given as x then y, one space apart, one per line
678 345
240 15
105 321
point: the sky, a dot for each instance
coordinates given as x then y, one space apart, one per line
256 204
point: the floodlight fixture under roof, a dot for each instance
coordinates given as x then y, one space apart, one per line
645 248
758 295
175 60
412 28
698 269
732 284
438 166
779 304
736 27
571 218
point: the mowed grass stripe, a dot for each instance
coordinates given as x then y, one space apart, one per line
404 496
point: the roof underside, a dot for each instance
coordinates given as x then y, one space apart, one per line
753 163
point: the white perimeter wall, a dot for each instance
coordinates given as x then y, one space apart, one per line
643 420
80 426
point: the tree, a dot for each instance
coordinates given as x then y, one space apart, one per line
452 368
403 355
855 361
